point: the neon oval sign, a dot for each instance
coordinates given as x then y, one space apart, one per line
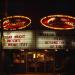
59 22
16 22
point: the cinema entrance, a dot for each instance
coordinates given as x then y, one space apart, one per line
24 61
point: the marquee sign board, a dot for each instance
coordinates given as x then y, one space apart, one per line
50 43
17 39
49 40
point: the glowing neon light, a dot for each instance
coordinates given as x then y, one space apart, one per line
58 22
16 22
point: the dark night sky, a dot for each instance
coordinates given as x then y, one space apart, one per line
36 9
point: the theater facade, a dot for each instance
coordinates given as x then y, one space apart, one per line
25 50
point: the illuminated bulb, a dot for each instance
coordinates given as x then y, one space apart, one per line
56 50
38 55
52 19
42 56
22 50
34 55
46 50
22 61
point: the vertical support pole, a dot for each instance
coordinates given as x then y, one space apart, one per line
6 8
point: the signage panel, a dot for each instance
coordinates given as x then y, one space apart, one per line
17 39
58 22
16 22
49 40
50 43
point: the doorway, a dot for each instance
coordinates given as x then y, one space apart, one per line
24 61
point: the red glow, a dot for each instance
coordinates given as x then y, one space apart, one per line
59 22
16 22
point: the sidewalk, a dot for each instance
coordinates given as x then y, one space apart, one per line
37 74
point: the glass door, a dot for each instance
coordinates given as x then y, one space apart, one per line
31 61
49 61
40 61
